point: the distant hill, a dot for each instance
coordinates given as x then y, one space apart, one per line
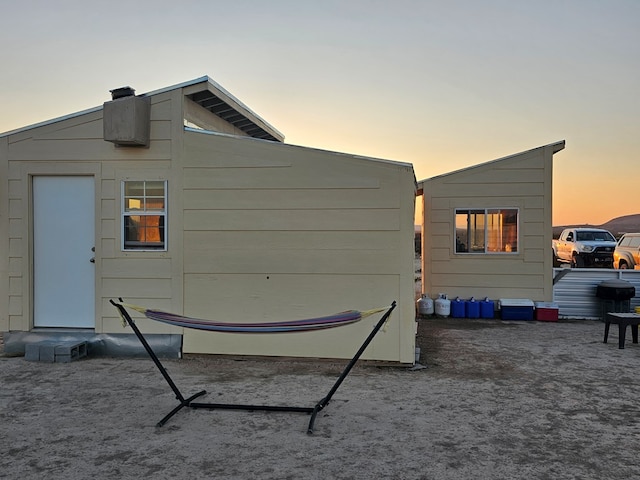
617 226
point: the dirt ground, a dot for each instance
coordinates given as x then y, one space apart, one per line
497 400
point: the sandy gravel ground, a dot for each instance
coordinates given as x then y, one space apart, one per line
498 400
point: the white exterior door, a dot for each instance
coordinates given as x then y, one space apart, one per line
63 256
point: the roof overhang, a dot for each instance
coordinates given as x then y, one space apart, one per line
236 114
214 98
209 95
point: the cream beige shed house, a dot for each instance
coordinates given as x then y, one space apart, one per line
487 229
185 200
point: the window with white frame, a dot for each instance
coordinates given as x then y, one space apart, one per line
488 230
144 214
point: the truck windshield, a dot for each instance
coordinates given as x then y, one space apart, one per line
594 237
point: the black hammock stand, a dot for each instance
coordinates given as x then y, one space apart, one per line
189 401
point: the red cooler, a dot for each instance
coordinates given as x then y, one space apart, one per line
546 311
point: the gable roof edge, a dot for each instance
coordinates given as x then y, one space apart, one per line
555 148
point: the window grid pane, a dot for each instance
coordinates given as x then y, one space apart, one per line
144 205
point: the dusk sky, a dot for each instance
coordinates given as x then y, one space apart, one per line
442 84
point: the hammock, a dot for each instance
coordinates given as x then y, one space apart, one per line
339 319
320 323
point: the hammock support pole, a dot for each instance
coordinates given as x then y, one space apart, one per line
325 401
188 402
184 402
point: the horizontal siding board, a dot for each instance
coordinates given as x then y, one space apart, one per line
531 229
535 255
362 261
447 204
534 218
532 242
495 190
438 204
440 254
322 161
248 220
489 265
535 203
271 178
441 241
489 291
46 129
138 268
293 198
495 281
519 176
221 241
86 150
160 109
160 130
214 155
443 217
111 324
140 287
90 130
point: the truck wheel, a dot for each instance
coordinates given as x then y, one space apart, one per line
577 262
623 265
556 263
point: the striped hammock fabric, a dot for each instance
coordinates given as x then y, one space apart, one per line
320 323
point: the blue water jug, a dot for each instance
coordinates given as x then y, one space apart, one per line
457 308
472 308
486 308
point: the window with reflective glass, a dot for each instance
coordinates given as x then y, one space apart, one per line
144 215
493 230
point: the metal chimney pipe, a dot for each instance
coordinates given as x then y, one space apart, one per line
122 92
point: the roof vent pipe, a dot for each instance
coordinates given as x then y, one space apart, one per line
122 92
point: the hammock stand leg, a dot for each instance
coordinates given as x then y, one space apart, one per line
325 400
184 402
188 402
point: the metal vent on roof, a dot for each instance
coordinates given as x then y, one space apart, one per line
225 111
122 92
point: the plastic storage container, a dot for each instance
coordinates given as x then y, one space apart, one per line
546 311
457 308
487 309
472 308
516 309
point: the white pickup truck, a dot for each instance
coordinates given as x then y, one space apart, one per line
584 247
